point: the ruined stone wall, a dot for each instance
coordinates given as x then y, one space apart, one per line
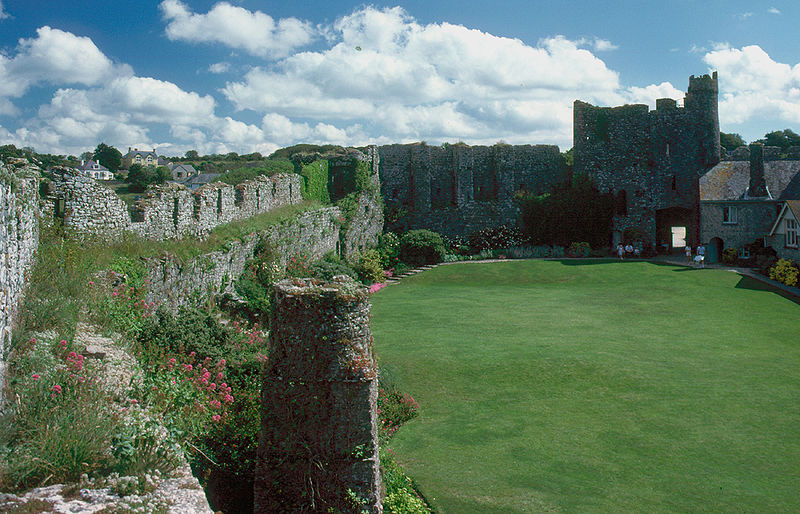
460 189
318 445
19 239
165 211
364 229
314 233
651 160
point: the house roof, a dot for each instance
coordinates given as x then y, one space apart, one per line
789 205
185 168
729 180
143 153
93 166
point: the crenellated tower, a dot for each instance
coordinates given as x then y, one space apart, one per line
702 98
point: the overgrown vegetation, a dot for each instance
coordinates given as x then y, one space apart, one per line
266 168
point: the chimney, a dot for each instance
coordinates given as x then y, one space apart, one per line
758 184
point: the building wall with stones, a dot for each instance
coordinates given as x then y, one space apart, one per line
460 189
314 233
318 444
651 160
19 239
166 211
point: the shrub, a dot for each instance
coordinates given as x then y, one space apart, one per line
401 495
327 269
581 249
730 256
785 271
495 238
421 247
299 265
389 248
369 267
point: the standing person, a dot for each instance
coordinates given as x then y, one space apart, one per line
620 251
688 252
701 252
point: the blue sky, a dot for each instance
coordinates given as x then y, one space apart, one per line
246 75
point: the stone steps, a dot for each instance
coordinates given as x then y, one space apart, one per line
410 273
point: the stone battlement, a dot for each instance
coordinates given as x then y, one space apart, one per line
166 211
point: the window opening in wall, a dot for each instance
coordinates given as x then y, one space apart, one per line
622 203
290 190
258 198
667 152
175 208
274 189
744 253
219 202
729 214
678 237
60 208
791 233
394 193
674 182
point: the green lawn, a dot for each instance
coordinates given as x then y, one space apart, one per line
584 386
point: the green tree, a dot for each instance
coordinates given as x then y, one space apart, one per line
108 156
137 178
192 155
783 139
162 174
730 141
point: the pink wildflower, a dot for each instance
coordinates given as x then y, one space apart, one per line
56 388
91 283
216 417
35 376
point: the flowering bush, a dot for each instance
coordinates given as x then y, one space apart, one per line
44 433
581 249
401 494
420 247
122 307
299 265
495 238
394 409
369 267
785 271
730 256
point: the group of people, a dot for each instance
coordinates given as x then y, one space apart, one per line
699 256
629 250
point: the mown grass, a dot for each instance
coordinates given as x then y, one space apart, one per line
595 386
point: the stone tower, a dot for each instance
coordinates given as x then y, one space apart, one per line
702 98
318 446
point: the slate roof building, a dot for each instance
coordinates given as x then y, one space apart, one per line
143 157
181 172
95 170
741 200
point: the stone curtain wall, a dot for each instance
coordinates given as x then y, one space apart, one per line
460 189
771 153
314 233
166 211
318 446
19 239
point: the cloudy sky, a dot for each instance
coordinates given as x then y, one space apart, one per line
248 75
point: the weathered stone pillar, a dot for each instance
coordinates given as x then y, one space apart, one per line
318 447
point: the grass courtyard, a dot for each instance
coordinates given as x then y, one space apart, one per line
591 386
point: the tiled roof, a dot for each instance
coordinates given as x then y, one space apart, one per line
729 180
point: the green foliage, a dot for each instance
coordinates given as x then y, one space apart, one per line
730 256
43 435
290 151
401 495
108 156
363 177
137 178
315 175
730 141
370 267
581 249
254 286
389 248
572 212
421 247
785 271
267 168
495 238
349 207
783 139
191 330
331 266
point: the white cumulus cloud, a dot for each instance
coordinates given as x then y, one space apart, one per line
400 79
753 85
252 31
